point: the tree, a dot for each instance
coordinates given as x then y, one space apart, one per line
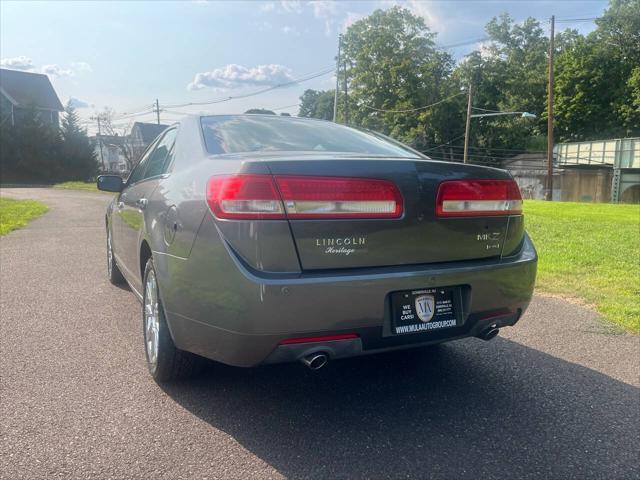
30 150
393 69
399 83
78 152
317 104
262 111
596 78
508 74
125 144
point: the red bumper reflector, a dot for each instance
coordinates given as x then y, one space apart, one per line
496 314
327 338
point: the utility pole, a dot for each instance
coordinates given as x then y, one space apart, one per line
346 95
335 99
468 126
97 117
549 195
157 111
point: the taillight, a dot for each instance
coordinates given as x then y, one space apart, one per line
464 198
339 197
299 197
244 197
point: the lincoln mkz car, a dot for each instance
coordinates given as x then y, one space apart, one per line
258 239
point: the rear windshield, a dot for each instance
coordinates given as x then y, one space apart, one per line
264 133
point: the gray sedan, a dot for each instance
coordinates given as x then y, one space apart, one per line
255 239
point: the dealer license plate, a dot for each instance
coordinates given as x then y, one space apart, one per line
424 310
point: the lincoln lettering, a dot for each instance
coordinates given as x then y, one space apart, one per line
339 242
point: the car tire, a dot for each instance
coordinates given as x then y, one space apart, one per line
113 272
165 361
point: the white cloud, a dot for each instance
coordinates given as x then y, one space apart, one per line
53 70
425 10
323 8
291 6
234 76
264 26
17 63
288 30
351 18
77 103
56 71
80 67
325 11
421 8
267 7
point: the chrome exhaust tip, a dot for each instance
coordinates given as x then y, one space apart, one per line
315 361
489 334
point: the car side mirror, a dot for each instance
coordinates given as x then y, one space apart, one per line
110 183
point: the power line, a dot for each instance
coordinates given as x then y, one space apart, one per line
447 143
486 109
461 44
513 150
413 109
568 20
176 112
133 114
286 106
258 92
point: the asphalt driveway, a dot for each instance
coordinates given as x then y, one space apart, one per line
555 397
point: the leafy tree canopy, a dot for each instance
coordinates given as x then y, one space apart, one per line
317 104
395 74
263 111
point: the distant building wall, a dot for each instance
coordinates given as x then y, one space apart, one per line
569 185
586 185
599 171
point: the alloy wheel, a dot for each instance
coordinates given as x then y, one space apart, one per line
151 318
109 253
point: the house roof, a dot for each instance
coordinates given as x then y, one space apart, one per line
25 88
526 161
149 131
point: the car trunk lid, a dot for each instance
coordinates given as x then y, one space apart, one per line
418 236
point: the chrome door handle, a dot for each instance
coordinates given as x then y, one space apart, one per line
141 202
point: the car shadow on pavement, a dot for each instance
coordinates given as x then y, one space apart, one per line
468 409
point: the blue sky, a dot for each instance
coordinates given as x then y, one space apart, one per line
126 54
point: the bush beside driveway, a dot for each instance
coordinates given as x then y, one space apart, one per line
17 213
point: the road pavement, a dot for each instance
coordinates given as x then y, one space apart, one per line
555 397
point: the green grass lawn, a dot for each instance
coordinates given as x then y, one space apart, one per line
86 186
590 252
17 213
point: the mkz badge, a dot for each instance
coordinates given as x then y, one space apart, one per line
425 306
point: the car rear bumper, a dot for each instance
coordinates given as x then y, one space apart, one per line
370 341
239 316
